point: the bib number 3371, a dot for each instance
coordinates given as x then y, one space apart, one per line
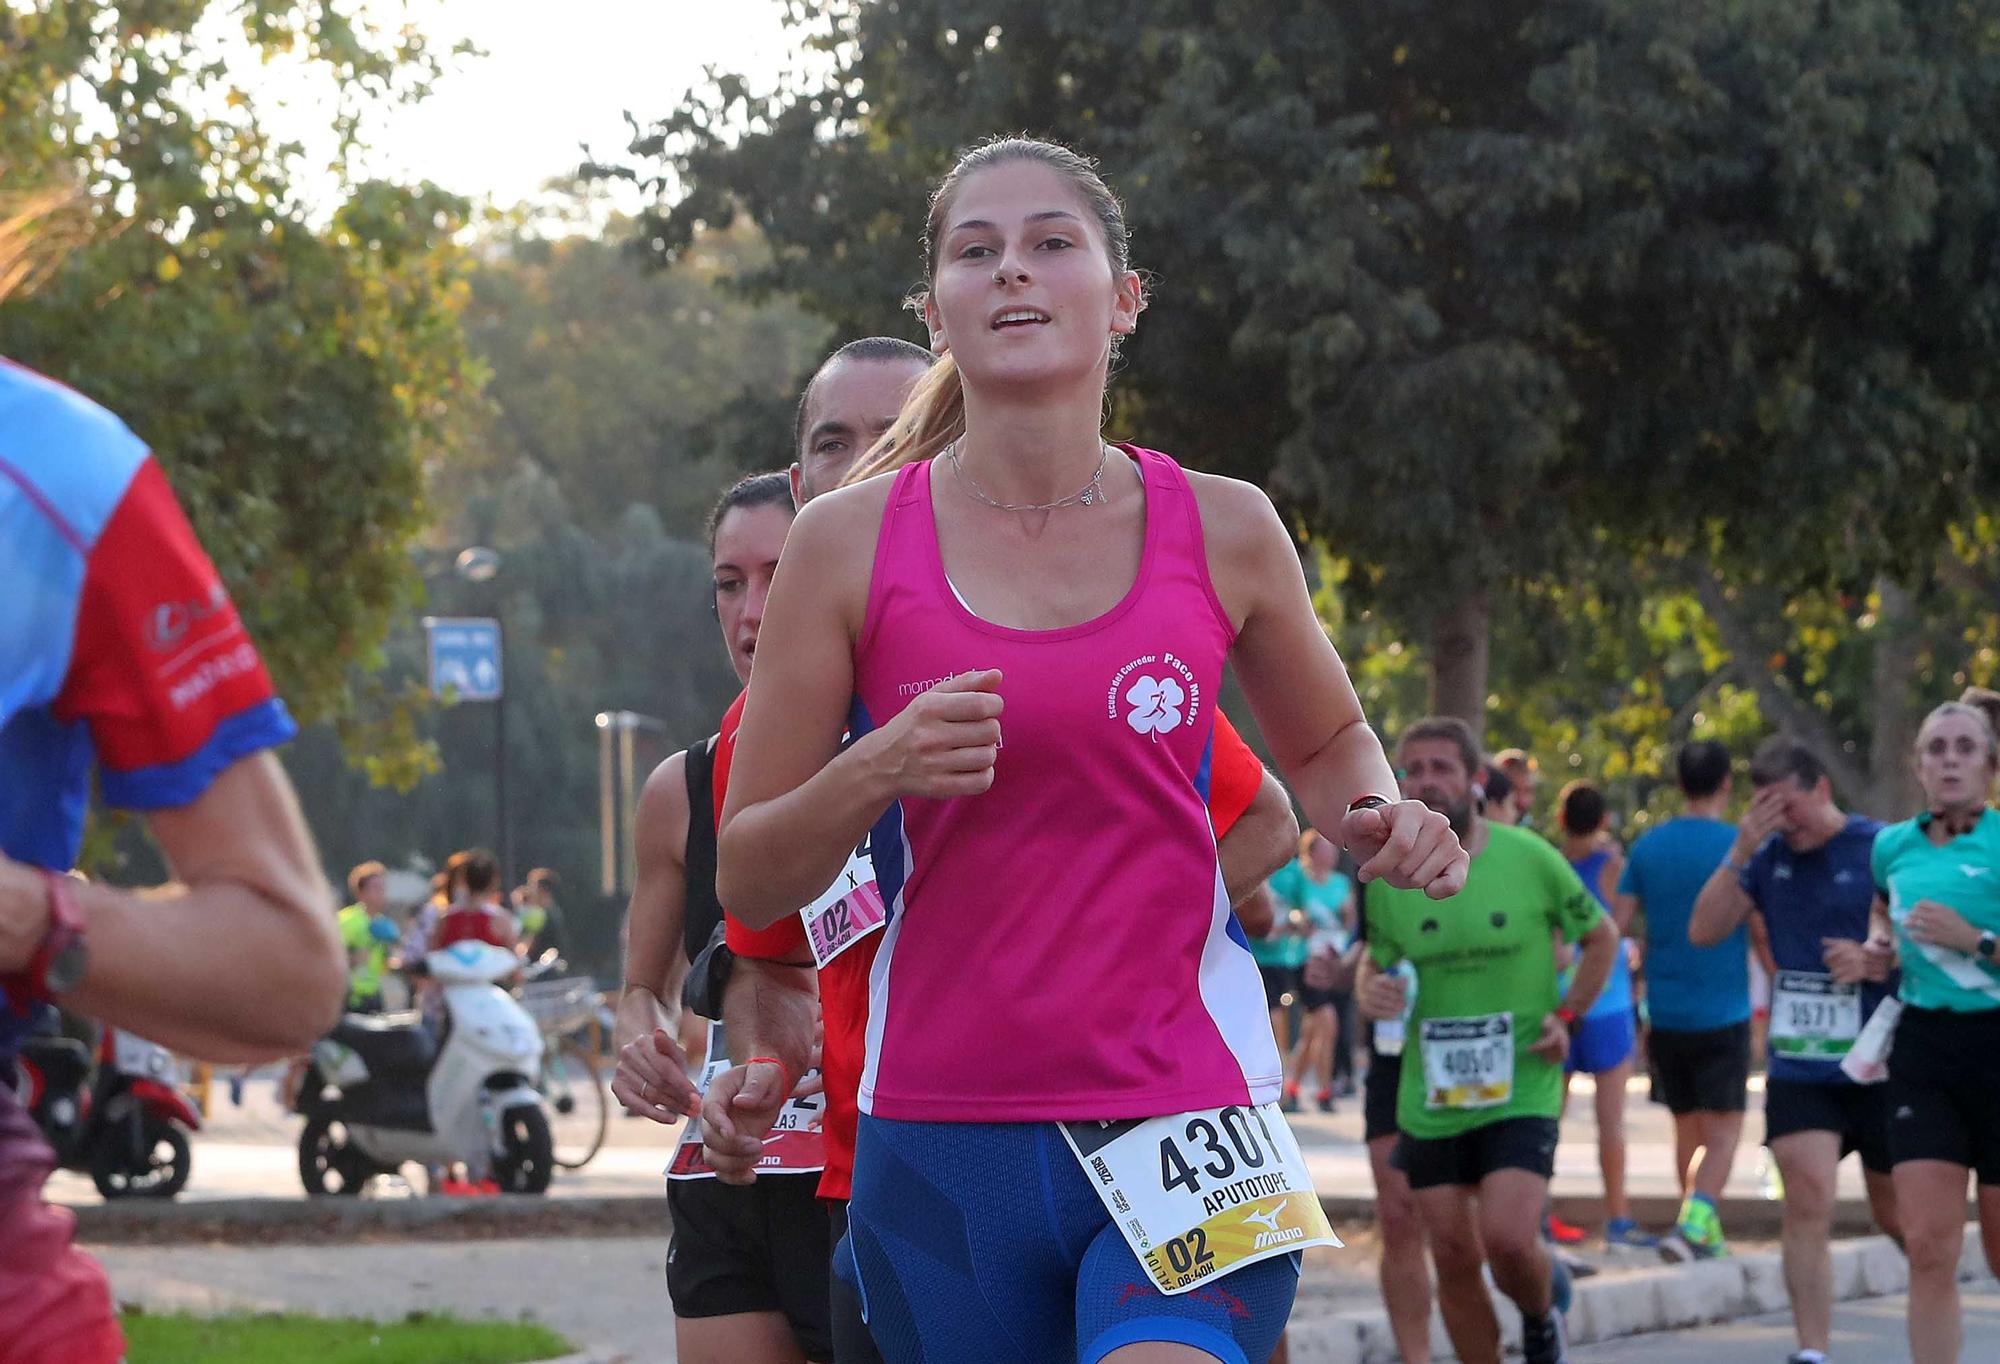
1197 1195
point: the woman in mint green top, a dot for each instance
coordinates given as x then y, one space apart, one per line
1323 901
1939 880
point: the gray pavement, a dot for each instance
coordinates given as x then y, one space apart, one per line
1865 1332
251 1152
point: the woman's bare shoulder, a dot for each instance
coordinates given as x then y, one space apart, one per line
1237 518
831 548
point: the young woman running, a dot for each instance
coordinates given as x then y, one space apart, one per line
1938 878
1058 955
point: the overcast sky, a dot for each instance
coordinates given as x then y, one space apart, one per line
554 75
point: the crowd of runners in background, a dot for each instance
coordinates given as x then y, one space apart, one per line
1707 950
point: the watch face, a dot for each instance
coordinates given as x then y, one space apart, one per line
65 971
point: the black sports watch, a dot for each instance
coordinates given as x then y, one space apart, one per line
1989 945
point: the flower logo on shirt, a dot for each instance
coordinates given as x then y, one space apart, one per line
1154 694
1156 705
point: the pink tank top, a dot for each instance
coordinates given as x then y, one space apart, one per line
1060 947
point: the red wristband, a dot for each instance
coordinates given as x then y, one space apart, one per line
1567 1015
773 1061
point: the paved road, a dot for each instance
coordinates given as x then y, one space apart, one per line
1865 1332
251 1151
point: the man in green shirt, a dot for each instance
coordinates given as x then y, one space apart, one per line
1482 1077
367 931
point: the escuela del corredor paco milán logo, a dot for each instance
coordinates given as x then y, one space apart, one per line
1155 694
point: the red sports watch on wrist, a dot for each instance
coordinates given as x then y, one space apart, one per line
58 964
1567 1015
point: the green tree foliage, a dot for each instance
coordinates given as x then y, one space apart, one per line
623 401
1498 295
294 377
630 386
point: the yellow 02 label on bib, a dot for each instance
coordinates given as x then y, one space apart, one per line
1197 1195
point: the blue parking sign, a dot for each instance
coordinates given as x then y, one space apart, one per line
465 656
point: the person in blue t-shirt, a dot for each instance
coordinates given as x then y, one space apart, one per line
1803 865
1698 998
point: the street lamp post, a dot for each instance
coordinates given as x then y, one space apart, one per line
617 792
478 564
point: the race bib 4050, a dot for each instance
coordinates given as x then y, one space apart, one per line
1468 1062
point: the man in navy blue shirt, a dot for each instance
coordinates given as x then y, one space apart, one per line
1802 864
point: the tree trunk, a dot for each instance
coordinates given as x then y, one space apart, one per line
1461 635
1892 779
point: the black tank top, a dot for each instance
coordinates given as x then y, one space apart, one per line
703 914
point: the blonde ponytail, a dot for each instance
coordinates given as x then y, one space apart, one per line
933 416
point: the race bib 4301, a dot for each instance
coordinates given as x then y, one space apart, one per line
1197 1195
1468 1062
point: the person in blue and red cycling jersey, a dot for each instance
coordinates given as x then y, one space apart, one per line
122 656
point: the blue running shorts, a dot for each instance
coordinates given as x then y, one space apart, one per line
985 1241
1602 1042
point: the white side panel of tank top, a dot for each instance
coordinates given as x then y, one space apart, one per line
878 987
1232 991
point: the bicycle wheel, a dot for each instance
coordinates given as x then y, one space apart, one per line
578 1109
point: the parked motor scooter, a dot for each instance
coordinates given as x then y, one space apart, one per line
385 1089
122 1122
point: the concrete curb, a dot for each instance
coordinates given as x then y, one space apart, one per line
275 1220
519 1215
1666 1299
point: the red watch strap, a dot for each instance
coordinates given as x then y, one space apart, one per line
65 927
1567 1015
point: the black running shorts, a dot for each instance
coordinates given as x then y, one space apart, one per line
1378 1102
1944 1090
1701 1072
1859 1113
1466 1159
765 1247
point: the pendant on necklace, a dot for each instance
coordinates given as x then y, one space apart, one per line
1089 496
